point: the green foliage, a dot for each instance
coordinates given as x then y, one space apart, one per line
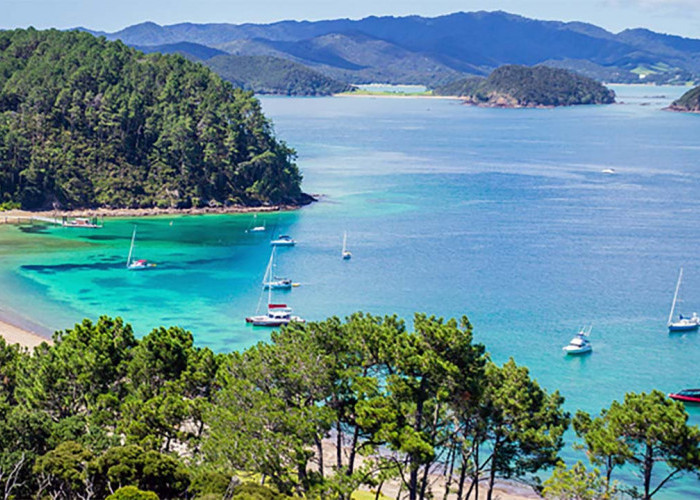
252 491
575 483
63 470
132 493
149 470
513 85
644 430
85 122
273 75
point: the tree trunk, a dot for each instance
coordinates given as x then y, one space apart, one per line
451 454
648 465
413 477
424 482
353 450
319 450
379 490
339 446
492 472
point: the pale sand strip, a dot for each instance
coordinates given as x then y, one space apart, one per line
15 335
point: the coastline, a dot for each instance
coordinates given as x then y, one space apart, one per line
22 335
396 96
145 212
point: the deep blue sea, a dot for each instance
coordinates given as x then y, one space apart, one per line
502 215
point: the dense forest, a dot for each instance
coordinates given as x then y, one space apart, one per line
689 102
100 414
85 122
273 75
522 86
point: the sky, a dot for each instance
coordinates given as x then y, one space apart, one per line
678 17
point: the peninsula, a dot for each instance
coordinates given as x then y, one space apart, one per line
88 123
515 86
688 102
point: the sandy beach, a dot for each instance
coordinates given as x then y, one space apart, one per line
16 335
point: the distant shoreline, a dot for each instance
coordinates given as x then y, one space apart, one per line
396 95
144 212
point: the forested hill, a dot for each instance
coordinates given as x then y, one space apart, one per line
521 86
85 122
273 75
689 102
435 50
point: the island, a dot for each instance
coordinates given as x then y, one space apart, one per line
515 86
89 123
688 102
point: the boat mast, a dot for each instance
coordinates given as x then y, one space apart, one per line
345 240
675 297
131 248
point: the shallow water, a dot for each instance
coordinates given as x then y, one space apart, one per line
502 215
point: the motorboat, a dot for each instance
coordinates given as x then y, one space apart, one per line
580 343
283 241
686 395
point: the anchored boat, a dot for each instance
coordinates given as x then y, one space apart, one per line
683 324
580 343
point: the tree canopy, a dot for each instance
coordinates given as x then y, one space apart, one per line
85 122
523 86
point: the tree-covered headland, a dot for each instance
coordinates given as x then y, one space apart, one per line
688 102
321 410
85 123
523 86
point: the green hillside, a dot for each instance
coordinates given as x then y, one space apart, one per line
272 75
689 102
521 86
85 122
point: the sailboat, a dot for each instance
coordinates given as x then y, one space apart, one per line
683 324
272 281
255 228
136 264
346 253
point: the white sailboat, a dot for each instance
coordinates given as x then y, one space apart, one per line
272 281
254 228
136 264
683 324
346 253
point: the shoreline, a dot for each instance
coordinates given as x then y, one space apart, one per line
15 332
145 212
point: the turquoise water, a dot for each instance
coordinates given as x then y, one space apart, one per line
503 215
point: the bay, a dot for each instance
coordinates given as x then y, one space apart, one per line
502 215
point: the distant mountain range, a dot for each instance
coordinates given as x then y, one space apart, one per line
436 50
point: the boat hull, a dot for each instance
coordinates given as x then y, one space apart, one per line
685 399
683 328
578 350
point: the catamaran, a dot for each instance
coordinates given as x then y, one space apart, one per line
683 324
272 281
580 343
136 264
346 253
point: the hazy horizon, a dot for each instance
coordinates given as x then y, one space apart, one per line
676 17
